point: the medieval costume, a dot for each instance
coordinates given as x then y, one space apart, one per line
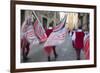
78 39
50 48
28 37
56 36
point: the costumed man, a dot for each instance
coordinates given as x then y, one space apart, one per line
78 39
28 36
56 36
24 41
50 48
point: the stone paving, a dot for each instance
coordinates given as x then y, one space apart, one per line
65 52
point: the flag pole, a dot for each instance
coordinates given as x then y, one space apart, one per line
38 20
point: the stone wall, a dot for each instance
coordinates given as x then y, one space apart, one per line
74 20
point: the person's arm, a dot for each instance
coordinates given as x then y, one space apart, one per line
23 26
73 35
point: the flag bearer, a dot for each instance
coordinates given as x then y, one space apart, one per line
49 49
24 41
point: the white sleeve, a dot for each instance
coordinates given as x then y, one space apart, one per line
73 36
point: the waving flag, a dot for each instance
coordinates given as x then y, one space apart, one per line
58 35
39 31
27 33
31 37
60 25
38 28
87 47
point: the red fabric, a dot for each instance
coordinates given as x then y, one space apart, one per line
48 31
86 48
78 44
48 49
39 31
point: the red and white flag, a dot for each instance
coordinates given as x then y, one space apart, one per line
87 47
31 36
58 35
27 32
39 31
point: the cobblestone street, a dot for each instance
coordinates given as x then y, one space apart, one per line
65 52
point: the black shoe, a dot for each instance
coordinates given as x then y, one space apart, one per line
78 58
25 58
49 58
56 56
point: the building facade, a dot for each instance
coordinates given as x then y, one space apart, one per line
52 18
